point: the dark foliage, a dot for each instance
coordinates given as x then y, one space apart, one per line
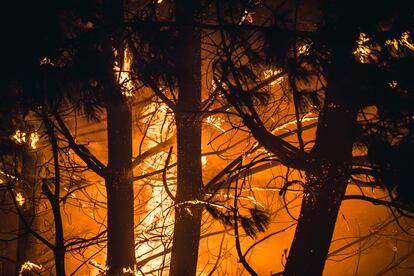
257 222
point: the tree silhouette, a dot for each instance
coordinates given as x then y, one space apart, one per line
319 90
338 47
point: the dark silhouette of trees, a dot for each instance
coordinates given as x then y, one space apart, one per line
188 122
171 57
351 72
37 192
358 73
62 66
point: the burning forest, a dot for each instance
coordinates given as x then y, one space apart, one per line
207 137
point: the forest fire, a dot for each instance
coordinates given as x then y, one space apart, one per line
122 73
187 137
29 266
158 219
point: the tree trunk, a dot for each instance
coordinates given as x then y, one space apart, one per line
120 194
118 176
60 262
326 181
25 242
54 200
189 176
60 249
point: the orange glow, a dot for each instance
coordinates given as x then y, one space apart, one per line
29 266
20 199
270 73
123 73
158 219
261 123
366 50
19 136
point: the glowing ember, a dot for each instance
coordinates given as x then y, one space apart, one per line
392 43
203 161
123 74
247 16
8 175
215 121
29 266
46 61
102 268
366 50
393 84
130 270
214 85
407 41
404 40
303 48
20 199
306 118
34 138
270 72
19 136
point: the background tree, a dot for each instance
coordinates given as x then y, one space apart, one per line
333 50
266 68
69 72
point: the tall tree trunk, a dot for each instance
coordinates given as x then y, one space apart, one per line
60 262
327 178
24 243
59 249
189 176
118 178
120 194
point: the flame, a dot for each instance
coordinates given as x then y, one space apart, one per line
128 270
393 84
100 267
305 118
28 265
215 121
392 43
123 74
158 220
34 138
303 48
247 16
8 175
406 40
365 50
46 61
214 85
203 161
270 72
19 136
20 199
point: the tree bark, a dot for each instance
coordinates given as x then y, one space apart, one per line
327 177
25 243
118 176
188 120
119 188
59 249
60 262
